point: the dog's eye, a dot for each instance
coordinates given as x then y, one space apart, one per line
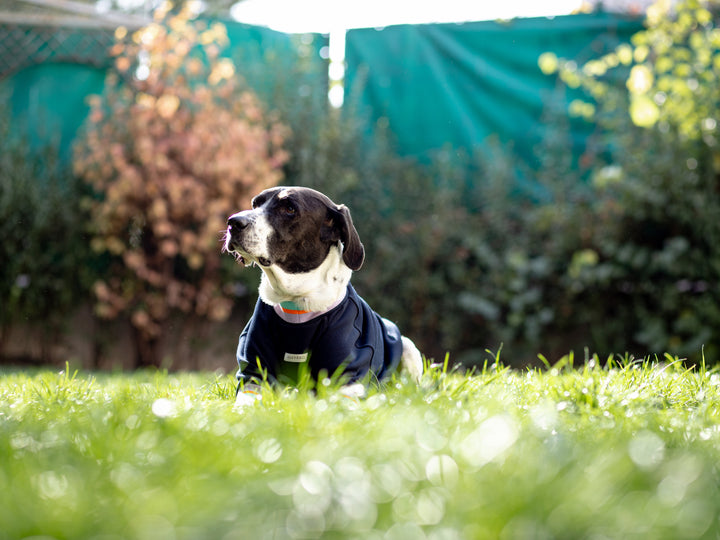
288 210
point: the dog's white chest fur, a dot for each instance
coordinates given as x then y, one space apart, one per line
316 290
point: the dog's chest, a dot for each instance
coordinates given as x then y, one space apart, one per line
350 339
321 341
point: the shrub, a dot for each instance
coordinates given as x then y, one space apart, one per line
46 263
657 258
174 146
651 281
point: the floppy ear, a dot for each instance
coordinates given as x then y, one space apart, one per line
344 231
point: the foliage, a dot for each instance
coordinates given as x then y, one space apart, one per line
671 71
655 261
657 258
46 266
626 449
628 261
174 146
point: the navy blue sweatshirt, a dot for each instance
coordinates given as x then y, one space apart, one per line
350 336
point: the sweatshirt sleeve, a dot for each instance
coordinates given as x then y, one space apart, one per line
248 354
248 372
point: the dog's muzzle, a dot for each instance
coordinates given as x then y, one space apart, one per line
238 225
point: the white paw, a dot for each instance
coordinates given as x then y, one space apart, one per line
411 359
353 391
247 396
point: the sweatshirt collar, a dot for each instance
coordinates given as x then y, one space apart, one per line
292 313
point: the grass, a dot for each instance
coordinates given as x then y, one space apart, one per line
626 450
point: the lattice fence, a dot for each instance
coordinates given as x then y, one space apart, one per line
22 46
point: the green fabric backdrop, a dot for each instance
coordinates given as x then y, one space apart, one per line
436 85
456 84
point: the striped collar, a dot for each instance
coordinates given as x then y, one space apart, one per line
292 313
291 308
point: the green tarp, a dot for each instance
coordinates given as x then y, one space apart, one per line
48 101
456 84
435 85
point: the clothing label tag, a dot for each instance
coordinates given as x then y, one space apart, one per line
296 358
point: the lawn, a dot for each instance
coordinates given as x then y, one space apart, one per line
625 450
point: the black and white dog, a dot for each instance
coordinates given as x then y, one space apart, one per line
308 313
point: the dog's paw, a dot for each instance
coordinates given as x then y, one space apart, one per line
353 391
411 360
247 396
351 394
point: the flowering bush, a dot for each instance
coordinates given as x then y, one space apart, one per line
173 146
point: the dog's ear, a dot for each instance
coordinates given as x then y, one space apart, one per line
341 228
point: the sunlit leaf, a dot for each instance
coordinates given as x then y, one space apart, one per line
643 111
548 63
641 79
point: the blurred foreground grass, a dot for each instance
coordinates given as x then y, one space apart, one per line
621 451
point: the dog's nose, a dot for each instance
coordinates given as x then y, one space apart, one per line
237 222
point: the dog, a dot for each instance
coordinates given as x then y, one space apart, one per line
308 314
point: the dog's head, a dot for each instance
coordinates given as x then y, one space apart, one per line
293 229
